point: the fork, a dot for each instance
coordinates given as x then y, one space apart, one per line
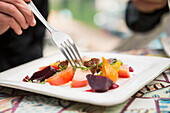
63 41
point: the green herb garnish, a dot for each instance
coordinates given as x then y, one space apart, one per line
86 68
100 64
43 82
27 80
61 68
121 63
114 62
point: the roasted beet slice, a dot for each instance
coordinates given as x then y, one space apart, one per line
93 61
43 74
99 83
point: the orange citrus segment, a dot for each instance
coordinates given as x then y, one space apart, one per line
117 65
109 71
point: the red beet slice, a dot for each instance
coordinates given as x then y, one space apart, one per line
99 83
43 74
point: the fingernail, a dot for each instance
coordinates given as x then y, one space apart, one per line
26 26
19 32
34 22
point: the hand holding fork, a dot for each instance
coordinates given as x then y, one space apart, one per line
61 39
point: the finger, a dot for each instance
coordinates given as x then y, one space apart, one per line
13 24
24 9
11 10
3 26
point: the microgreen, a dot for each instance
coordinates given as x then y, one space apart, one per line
114 62
86 68
27 80
43 82
100 64
61 68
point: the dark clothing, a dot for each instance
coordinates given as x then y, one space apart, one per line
16 50
142 22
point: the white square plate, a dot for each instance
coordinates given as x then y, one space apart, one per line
146 68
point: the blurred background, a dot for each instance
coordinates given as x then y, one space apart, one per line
94 25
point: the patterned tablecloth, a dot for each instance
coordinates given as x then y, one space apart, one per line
153 98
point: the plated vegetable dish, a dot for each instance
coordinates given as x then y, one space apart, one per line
100 75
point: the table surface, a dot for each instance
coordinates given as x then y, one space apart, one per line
154 97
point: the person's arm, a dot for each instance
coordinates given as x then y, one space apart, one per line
15 14
142 17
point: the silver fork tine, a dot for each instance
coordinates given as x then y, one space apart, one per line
62 50
69 53
76 50
73 53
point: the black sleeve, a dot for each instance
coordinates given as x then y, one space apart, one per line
18 49
142 22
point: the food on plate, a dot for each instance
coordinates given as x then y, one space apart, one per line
100 75
131 69
62 77
99 83
124 71
93 61
41 75
79 79
109 70
56 65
